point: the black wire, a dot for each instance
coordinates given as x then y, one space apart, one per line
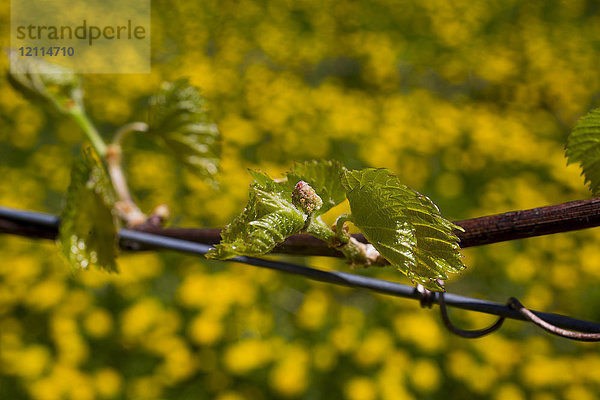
32 219
469 334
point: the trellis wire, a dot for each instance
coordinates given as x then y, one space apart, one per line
24 221
565 217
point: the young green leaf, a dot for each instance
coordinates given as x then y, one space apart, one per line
583 146
50 84
271 214
403 225
325 177
268 219
87 233
178 118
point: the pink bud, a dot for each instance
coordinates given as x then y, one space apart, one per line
305 198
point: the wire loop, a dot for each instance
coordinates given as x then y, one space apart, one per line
581 336
469 334
427 297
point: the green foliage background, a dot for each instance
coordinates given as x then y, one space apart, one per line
468 102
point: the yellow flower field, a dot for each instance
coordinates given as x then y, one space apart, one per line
467 102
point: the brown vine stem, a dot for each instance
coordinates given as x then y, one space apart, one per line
513 225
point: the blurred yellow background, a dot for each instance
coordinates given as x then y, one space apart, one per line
468 102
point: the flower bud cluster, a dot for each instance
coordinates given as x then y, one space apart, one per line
305 198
